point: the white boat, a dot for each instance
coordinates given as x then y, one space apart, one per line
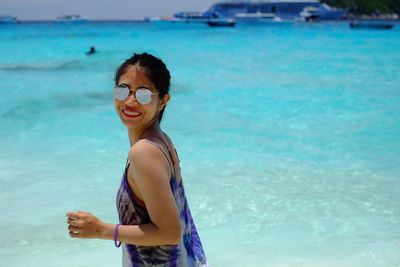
211 22
266 10
310 13
8 19
74 19
189 17
174 20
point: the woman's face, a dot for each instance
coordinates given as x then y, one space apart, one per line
132 113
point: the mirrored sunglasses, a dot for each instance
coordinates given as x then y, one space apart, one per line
142 95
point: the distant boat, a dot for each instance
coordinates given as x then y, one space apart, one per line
221 23
266 10
372 24
175 20
74 19
8 19
310 13
212 22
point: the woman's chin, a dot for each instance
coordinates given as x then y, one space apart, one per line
130 123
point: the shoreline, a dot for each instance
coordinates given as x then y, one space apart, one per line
26 22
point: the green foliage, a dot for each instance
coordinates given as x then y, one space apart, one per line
367 6
338 3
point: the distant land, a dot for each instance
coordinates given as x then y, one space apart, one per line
367 7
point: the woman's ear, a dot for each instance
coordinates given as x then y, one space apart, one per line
164 101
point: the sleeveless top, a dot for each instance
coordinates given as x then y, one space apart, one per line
131 210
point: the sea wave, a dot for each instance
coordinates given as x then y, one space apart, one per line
37 107
51 36
67 65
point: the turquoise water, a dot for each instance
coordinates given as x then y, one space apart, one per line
288 137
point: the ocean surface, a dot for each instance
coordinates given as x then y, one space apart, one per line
288 135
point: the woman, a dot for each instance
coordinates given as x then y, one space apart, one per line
156 226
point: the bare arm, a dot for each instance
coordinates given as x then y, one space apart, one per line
140 235
152 174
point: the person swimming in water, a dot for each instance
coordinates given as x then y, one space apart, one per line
155 226
91 51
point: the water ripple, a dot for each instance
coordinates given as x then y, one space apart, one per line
57 66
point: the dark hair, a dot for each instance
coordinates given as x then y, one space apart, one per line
155 70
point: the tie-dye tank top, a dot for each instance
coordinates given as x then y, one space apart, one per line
132 211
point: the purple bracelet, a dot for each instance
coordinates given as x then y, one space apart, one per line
117 243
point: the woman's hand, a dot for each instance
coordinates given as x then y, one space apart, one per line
83 224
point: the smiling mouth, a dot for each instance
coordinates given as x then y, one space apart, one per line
131 114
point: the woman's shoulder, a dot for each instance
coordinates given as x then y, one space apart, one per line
146 155
144 149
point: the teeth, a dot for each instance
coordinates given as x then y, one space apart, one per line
131 113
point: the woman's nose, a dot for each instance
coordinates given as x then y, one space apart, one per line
131 99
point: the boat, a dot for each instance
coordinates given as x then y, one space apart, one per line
196 18
73 19
189 17
371 24
273 10
310 13
211 22
8 19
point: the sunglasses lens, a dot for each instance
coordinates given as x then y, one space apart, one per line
143 96
121 92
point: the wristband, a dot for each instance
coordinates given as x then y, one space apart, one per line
117 243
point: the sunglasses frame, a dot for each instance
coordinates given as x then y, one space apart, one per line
129 90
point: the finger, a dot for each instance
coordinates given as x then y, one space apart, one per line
77 235
74 235
78 215
73 215
74 222
73 229
83 213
